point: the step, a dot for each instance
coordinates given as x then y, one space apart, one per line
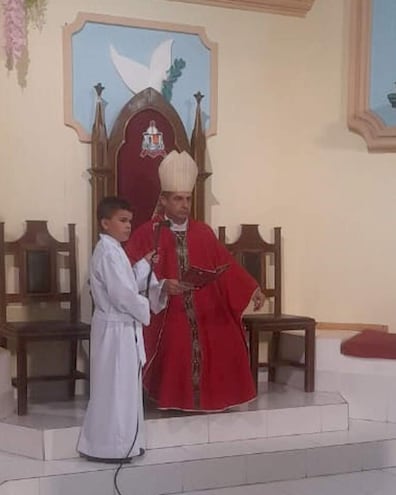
366 445
373 482
50 431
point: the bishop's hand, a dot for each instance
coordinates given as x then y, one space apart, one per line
258 299
174 287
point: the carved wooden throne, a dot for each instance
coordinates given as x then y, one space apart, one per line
121 165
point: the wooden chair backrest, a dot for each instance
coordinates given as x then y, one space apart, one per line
261 259
39 259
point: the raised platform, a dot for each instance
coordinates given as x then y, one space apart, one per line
285 434
368 385
50 431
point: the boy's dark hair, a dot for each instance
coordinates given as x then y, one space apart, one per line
109 205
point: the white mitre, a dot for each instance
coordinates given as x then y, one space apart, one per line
178 172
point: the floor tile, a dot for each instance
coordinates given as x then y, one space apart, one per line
198 475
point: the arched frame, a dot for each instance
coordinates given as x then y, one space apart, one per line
361 118
79 23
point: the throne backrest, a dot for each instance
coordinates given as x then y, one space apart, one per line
127 163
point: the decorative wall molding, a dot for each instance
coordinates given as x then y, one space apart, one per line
298 8
361 118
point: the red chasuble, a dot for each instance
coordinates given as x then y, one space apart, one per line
196 349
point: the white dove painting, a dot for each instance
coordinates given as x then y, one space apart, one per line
137 76
127 57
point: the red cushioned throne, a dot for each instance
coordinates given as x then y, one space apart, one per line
126 164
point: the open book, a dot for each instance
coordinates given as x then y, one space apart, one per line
199 277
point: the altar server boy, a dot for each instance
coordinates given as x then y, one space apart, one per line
113 428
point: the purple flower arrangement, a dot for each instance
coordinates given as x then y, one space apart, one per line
16 15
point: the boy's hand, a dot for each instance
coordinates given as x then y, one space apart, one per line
152 257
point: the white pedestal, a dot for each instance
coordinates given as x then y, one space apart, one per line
7 403
368 385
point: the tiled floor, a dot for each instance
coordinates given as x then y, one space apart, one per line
377 482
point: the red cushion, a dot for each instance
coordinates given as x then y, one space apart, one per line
371 344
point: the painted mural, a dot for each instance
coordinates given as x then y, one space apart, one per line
126 58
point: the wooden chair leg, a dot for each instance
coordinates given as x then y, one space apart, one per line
72 368
309 371
273 355
21 381
254 354
3 342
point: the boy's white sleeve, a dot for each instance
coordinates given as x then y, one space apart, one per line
157 296
141 270
122 289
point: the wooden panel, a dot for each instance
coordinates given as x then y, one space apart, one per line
38 272
252 263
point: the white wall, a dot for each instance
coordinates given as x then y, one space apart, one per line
282 156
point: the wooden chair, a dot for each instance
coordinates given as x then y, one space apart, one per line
263 261
39 258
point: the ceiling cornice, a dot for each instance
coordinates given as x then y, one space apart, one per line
298 8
